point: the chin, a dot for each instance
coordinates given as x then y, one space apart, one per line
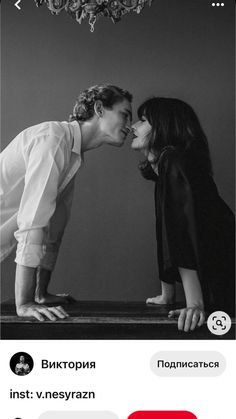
135 147
120 144
117 144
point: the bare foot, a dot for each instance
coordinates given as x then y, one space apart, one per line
55 299
160 299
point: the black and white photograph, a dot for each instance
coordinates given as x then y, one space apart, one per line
21 363
117 169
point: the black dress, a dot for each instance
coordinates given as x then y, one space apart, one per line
194 227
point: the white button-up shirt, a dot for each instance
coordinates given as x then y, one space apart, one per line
36 187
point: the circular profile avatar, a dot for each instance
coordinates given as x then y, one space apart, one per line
21 363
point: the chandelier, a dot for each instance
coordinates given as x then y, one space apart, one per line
94 9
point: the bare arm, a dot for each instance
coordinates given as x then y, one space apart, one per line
43 277
26 306
52 242
192 288
24 285
193 315
42 296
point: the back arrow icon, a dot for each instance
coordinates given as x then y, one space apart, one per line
17 4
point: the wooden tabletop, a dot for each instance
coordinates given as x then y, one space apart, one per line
102 320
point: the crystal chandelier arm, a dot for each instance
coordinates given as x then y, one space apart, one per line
123 3
94 9
39 2
57 6
75 5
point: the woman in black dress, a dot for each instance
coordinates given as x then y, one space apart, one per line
194 226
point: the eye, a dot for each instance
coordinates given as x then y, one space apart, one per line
143 118
126 117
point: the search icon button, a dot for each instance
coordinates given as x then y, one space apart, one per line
219 323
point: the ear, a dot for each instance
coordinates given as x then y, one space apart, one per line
99 108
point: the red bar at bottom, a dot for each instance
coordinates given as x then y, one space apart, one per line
159 414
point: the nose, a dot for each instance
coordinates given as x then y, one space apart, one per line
128 128
134 126
128 125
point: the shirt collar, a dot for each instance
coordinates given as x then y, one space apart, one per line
77 137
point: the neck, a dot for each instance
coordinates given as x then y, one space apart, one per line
91 136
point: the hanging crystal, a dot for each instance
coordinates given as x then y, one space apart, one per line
94 9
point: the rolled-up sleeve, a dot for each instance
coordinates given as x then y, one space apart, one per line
45 161
56 228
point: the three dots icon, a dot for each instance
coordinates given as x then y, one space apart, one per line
217 4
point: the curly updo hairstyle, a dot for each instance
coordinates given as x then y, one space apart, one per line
108 94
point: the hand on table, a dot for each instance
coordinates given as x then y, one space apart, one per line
188 318
41 312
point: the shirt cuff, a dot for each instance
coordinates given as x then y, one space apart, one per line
29 254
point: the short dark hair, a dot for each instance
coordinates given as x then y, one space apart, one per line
108 94
174 123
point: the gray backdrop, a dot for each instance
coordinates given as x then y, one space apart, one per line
179 48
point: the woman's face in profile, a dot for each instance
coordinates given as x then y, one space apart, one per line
141 134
